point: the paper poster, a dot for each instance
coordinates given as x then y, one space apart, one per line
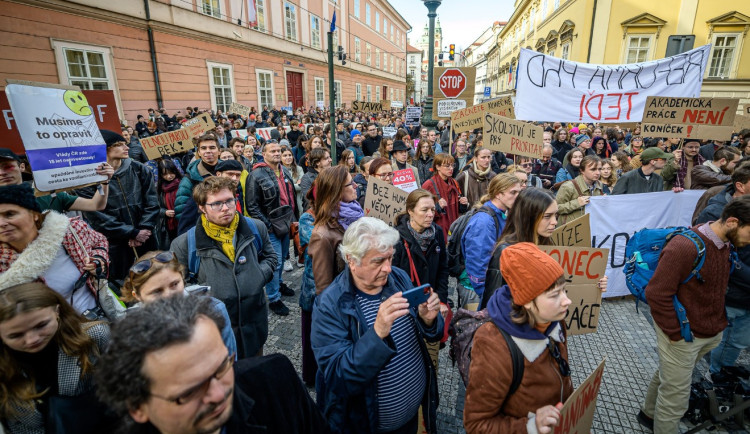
384 201
389 131
695 118
515 137
577 415
239 109
575 233
365 106
59 133
405 180
471 118
413 115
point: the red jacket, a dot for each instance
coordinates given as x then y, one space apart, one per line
450 192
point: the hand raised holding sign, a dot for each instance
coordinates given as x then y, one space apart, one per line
547 418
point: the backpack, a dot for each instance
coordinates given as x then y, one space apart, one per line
642 253
194 261
456 261
463 326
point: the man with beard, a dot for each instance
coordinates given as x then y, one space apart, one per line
703 299
371 142
645 179
679 172
715 172
168 371
185 208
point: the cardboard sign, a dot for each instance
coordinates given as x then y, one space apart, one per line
695 118
371 106
575 233
239 109
384 201
741 122
101 102
175 142
405 180
59 133
580 264
583 313
577 415
516 137
199 125
454 90
471 118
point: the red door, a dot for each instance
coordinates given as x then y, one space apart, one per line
294 88
385 93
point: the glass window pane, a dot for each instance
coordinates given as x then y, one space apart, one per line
100 85
84 85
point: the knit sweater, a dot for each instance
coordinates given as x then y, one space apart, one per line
704 302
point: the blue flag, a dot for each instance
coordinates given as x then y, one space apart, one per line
333 22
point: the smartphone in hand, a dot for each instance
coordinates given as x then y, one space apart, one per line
418 295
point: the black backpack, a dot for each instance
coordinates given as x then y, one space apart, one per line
456 260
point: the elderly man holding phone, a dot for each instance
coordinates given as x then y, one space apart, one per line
369 339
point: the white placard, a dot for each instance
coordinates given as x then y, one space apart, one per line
447 106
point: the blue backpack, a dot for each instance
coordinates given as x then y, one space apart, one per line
642 254
194 261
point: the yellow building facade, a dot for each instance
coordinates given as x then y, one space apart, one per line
627 31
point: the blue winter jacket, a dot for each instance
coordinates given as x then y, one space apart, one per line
185 208
351 355
478 242
307 290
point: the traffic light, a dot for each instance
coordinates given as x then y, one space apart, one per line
440 56
452 51
342 55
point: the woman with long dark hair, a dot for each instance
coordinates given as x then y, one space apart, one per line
571 167
166 187
423 160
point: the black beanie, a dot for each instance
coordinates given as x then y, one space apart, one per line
21 195
225 165
111 137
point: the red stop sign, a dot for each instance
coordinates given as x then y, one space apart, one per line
452 83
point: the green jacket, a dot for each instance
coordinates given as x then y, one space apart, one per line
568 207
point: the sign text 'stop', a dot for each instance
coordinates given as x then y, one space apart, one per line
452 83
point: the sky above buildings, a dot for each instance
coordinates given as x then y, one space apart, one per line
463 21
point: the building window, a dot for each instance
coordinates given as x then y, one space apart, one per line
551 53
369 93
336 39
260 15
358 95
557 4
211 7
265 87
723 52
290 21
377 21
377 58
337 92
357 51
544 9
393 64
637 49
385 61
87 68
320 94
222 91
368 54
315 31
565 51
392 33
356 8
367 14
377 93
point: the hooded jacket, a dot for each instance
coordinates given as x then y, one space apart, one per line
263 194
491 372
185 195
431 266
477 243
476 185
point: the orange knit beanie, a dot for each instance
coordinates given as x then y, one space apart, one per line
528 271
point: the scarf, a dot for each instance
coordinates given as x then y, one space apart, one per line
170 194
479 173
423 239
573 171
679 180
349 212
225 236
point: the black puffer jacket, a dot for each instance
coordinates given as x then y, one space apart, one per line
132 204
431 266
263 194
424 167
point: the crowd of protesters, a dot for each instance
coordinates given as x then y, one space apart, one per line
149 311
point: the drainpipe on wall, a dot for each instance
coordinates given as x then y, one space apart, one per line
591 35
152 50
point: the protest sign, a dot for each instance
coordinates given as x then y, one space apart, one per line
741 122
397 104
613 222
405 180
577 415
695 118
383 200
199 125
413 115
574 233
239 109
389 131
583 312
371 106
101 102
516 137
169 143
59 133
585 92
472 117
454 90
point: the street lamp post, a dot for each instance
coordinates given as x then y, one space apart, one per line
432 6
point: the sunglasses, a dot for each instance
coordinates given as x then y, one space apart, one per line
561 363
145 265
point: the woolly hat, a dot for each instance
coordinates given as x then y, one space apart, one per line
111 137
574 130
528 271
21 195
275 134
224 165
582 138
355 132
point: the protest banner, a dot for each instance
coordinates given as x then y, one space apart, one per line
472 117
577 415
389 131
384 201
695 118
741 122
575 233
454 90
613 222
365 106
405 180
516 137
239 109
585 92
59 134
101 102
413 115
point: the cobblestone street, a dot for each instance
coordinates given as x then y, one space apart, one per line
625 337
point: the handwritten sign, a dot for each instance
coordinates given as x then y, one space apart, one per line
389 131
413 115
695 118
384 201
575 233
199 125
586 92
516 137
577 415
454 90
741 122
239 109
472 117
177 141
583 313
405 180
365 106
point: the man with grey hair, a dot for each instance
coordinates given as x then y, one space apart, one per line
546 168
370 343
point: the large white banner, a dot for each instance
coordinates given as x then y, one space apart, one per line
553 89
614 219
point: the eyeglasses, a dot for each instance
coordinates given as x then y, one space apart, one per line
561 363
446 165
217 206
145 265
526 164
384 175
201 389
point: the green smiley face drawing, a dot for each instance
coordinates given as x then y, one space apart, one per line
76 102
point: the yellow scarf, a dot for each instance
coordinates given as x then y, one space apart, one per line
221 234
